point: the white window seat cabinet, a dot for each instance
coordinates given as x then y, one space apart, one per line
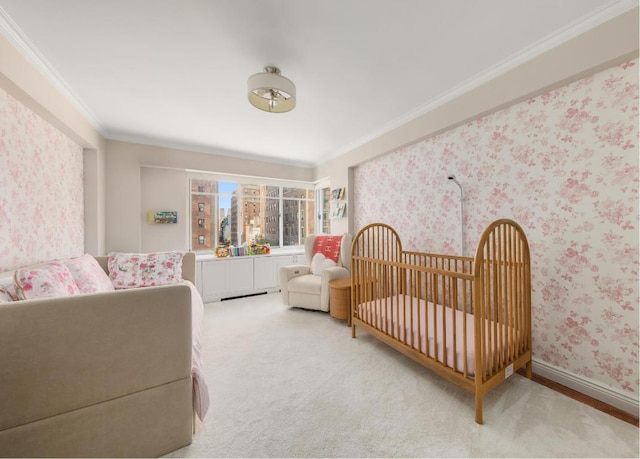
220 278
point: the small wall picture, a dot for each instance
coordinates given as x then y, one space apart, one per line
338 194
163 216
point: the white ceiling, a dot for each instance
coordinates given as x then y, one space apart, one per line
174 72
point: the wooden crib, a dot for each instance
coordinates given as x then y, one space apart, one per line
466 319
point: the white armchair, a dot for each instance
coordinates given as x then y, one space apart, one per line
307 286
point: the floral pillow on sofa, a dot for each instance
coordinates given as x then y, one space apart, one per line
89 275
8 292
132 270
49 280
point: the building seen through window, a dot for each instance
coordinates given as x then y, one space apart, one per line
231 213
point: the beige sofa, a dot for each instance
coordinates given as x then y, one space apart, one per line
106 374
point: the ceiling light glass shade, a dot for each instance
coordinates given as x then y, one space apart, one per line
271 92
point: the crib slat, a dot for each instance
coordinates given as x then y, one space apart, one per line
513 300
495 280
498 301
453 300
466 333
519 292
500 304
397 294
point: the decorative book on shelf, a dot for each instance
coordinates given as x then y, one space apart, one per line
337 205
338 209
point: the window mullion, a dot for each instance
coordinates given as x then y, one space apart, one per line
280 216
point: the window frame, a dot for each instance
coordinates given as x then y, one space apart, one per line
247 180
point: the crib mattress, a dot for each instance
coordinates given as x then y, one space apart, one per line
418 315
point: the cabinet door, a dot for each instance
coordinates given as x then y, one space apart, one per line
284 260
267 270
215 279
265 273
240 275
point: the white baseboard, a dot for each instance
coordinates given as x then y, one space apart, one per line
588 387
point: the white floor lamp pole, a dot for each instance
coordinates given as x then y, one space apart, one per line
453 177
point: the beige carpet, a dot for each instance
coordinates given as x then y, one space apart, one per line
293 383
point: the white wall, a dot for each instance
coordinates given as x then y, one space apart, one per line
586 335
22 80
610 43
162 190
564 165
125 188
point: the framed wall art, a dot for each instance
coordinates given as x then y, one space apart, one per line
162 216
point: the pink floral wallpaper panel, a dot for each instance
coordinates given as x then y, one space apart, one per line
565 166
41 189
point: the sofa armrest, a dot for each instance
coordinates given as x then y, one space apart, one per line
336 272
189 267
291 271
61 354
330 274
286 274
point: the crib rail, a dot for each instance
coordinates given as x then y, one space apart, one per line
444 269
438 326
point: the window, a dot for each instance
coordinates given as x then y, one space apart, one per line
323 200
232 213
298 212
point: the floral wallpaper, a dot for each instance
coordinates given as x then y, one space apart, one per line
565 166
41 189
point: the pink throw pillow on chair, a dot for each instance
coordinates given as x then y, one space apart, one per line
329 246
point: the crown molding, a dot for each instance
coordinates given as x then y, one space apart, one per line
587 22
19 39
207 149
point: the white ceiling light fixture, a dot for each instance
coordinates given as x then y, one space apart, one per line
271 92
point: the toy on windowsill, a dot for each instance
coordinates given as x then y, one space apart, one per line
243 251
264 249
